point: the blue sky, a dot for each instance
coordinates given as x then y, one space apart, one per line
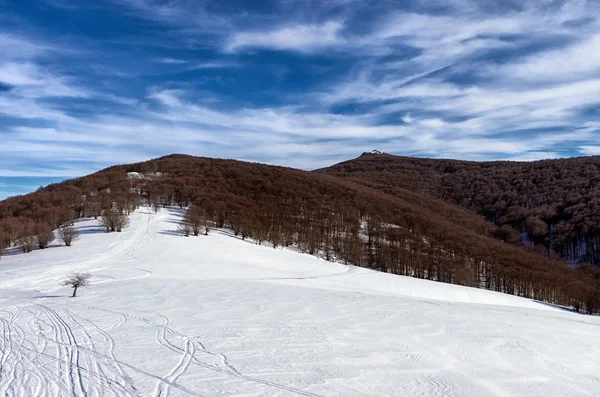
87 84
15 185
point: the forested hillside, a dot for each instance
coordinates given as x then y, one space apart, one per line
393 229
553 205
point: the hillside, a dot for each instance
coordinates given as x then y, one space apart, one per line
551 204
396 231
215 315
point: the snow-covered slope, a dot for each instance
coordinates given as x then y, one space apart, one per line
218 316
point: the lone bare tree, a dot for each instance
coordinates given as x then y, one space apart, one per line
68 234
76 280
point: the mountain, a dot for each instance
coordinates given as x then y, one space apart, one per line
384 227
553 205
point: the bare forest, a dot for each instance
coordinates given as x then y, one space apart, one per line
552 206
413 227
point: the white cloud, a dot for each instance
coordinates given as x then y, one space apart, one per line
535 156
15 47
33 82
27 108
303 38
573 62
590 150
425 31
190 65
212 65
275 121
185 17
171 61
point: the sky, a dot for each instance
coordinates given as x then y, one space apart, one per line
88 84
16 185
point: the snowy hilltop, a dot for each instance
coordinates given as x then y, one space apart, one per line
374 151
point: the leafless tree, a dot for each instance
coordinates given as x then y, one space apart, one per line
121 221
94 208
3 242
106 220
44 235
207 223
26 243
68 234
76 280
11 228
191 222
184 227
114 220
201 218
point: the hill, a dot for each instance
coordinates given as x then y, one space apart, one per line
553 205
216 315
396 231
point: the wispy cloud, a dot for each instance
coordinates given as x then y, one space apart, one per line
172 61
575 62
185 16
212 65
30 81
303 38
298 83
590 150
15 47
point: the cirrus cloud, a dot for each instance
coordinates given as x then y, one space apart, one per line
295 82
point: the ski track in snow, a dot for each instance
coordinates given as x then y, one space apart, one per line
216 316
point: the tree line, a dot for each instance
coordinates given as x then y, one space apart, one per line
36 220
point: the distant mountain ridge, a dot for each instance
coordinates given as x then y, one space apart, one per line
552 204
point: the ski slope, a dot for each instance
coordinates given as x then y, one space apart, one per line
214 315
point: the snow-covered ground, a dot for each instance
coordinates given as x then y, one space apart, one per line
218 316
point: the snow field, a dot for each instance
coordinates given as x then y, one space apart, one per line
214 315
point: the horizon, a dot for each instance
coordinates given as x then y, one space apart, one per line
297 84
11 186
23 184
